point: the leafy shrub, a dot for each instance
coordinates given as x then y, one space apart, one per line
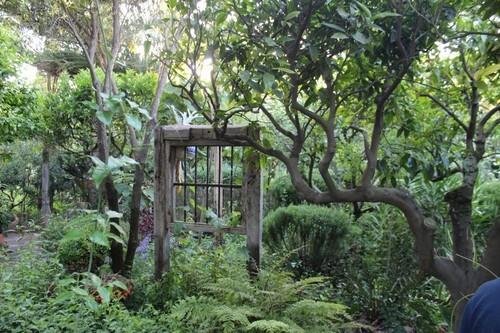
75 254
380 280
53 233
311 235
282 193
5 218
31 292
487 208
75 249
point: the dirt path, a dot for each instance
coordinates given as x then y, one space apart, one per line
16 242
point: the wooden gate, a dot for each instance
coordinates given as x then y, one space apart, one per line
193 188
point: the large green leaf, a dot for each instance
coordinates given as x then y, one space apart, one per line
486 71
292 15
384 15
364 9
116 163
118 284
100 238
133 121
100 173
340 35
73 235
360 37
116 238
105 294
333 26
118 227
79 291
244 76
283 69
105 117
268 79
112 214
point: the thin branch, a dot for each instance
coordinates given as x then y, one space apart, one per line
492 127
365 138
276 124
447 110
488 115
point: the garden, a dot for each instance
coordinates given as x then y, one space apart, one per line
247 166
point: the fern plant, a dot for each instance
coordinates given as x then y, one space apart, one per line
272 302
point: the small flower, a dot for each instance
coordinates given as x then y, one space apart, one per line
142 249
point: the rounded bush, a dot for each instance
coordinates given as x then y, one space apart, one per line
310 236
75 254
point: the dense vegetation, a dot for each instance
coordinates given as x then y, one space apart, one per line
379 147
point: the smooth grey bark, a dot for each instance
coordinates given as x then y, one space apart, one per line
45 207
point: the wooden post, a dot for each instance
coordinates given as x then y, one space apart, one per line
252 207
163 202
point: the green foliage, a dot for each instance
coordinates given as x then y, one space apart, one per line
268 326
271 301
312 236
75 254
9 51
31 302
39 296
53 233
86 241
206 315
379 278
281 193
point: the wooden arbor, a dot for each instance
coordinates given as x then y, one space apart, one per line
172 146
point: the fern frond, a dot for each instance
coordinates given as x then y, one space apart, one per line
229 319
309 311
323 316
268 326
233 291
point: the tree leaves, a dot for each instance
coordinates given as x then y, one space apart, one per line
102 170
340 35
480 74
285 70
292 15
244 76
268 80
360 37
112 214
333 26
384 15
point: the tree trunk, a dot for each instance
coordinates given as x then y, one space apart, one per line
141 157
460 210
45 208
135 213
90 192
112 198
